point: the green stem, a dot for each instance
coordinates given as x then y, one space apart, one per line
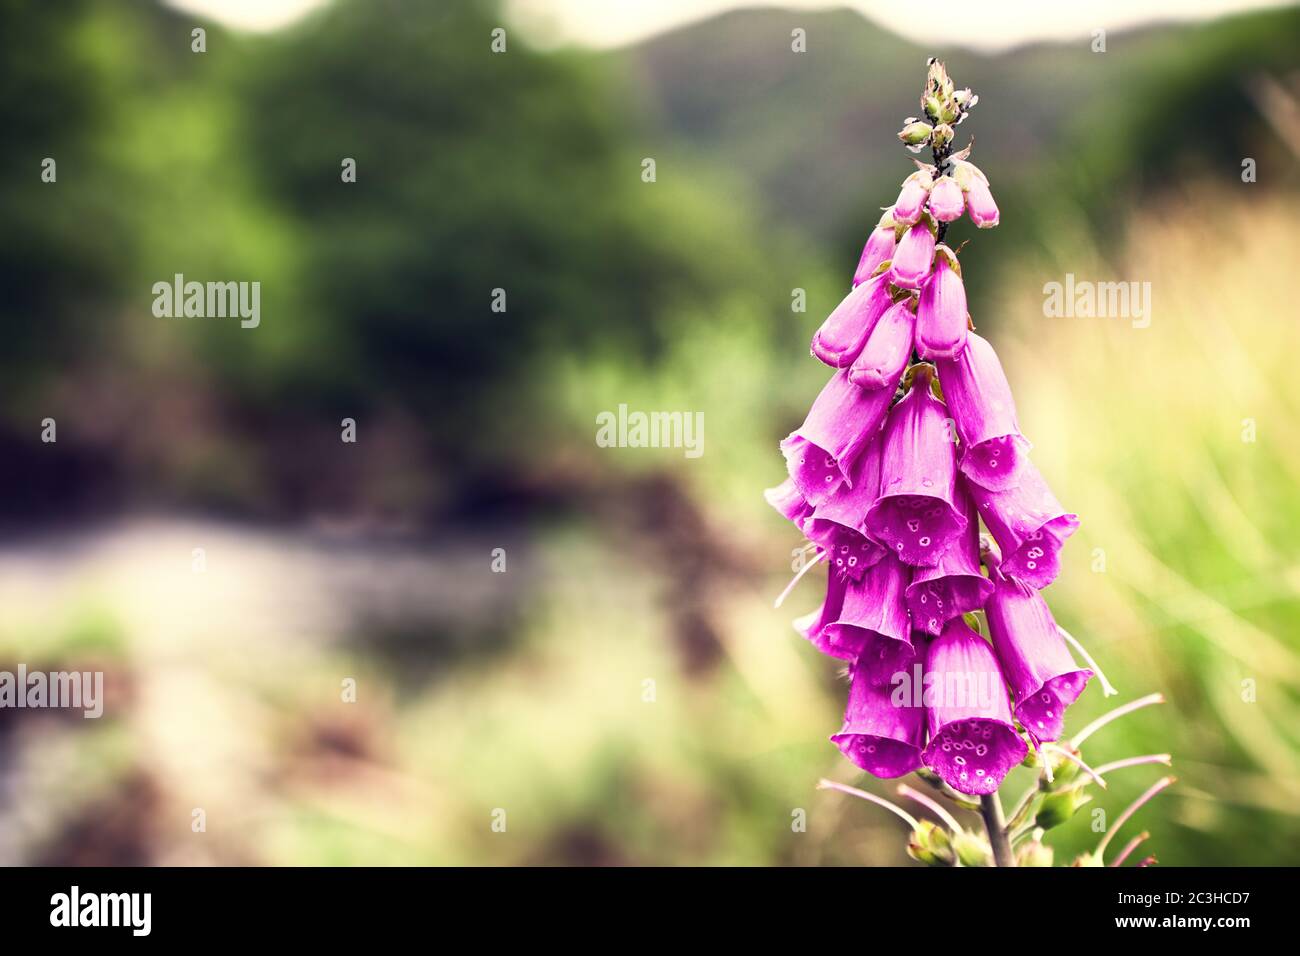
1018 835
1021 815
996 826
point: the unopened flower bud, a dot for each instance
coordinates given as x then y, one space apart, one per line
941 311
1059 807
946 199
916 133
1034 853
965 172
913 257
972 849
879 247
933 108
929 844
937 75
979 201
840 338
943 133
912 197
881 361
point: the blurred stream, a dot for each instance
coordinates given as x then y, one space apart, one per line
205 630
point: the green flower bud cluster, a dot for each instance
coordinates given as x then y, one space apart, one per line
930 844
933 845
943 108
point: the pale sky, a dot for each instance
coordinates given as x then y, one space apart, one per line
604 23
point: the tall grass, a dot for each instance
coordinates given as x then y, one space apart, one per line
1178 446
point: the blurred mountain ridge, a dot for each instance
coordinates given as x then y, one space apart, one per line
805 130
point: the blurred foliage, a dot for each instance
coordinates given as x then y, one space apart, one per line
527 691
476 172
